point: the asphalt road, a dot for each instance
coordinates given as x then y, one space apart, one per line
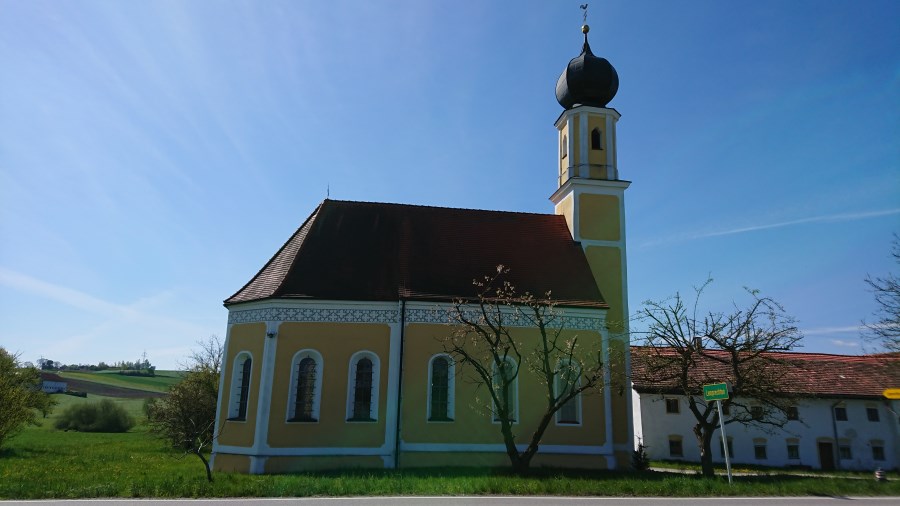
484 501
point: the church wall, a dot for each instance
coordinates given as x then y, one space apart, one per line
241 338
336 343
575 141
604 211
318 463
499 460
567 209
563 160
473 418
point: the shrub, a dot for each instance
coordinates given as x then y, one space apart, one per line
105 416
639 459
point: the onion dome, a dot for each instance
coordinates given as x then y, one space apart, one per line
587 79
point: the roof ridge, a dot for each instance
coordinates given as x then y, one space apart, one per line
797 354
425 206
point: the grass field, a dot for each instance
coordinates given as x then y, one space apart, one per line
159 383
44 463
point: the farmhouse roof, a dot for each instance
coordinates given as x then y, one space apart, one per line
379 252
803 374
49 376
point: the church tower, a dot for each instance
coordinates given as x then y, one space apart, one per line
591 195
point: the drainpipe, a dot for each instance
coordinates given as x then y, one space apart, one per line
400 385
837 444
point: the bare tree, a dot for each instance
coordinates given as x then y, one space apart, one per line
885 330
687 349
485 346
186 417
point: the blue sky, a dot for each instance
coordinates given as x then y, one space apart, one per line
154 155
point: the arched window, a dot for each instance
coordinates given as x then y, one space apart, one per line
568 379
240 387
595 139
362 398
507 374
564 148
441 391
306 387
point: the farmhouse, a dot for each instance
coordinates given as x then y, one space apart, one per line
842 420
52 383
333 352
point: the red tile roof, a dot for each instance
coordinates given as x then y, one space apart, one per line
803 374
379 252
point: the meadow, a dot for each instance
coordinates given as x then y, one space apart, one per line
44 463
158 384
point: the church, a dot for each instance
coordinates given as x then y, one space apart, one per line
334 355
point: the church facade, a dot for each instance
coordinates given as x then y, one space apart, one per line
335 356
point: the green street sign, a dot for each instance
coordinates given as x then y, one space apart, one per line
717 392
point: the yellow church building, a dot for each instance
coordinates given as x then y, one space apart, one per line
334 355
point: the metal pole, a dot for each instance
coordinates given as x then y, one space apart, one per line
724 440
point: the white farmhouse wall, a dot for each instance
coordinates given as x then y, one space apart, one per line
50 387
654 427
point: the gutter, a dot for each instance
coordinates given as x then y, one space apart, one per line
400 385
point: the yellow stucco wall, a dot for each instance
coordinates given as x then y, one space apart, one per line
566 207
576 143
563 160
231 463
599 217
248 337
336 342
473 418
606 265
498 459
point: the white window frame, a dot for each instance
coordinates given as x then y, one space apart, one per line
451 388
351 385
317 391
515 394
577 399
788 443
761 443
234 401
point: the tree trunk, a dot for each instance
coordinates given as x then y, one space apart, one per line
704 433
209 477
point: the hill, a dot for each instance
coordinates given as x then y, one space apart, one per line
115 385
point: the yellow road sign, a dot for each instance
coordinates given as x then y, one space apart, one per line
892 393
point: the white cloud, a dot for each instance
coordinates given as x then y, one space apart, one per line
853 329
828 218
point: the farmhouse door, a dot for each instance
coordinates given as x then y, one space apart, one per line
826 456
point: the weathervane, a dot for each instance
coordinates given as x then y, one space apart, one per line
584 27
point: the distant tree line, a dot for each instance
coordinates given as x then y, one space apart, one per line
140 367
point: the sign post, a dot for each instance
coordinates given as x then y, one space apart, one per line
718 392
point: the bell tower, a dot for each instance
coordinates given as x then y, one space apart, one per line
591 196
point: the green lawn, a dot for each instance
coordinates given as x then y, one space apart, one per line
159 383
43 463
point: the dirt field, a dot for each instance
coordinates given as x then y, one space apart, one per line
109 391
